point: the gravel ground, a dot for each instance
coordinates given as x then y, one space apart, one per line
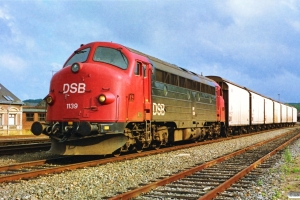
106 180
26 157
271 184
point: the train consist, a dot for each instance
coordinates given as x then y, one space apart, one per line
247 111
108 99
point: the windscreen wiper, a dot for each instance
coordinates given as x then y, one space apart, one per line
78 52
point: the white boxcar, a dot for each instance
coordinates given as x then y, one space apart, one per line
269 111
289 114
257 105
277 112
238 105
295 115
283 113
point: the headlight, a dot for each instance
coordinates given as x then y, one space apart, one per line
102 98
75 67
49 100
106 98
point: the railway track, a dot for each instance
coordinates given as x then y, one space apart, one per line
220 178
23 144
29 170
16 140
24 148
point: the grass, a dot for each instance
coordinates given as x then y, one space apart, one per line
291 176
295 170
287 155
277 195
260 182
286 167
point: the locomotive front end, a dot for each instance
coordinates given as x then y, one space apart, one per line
83 104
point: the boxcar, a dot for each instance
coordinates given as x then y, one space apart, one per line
257 108
269 112
284 113
237 104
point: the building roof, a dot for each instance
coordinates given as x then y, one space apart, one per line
34 110
7 97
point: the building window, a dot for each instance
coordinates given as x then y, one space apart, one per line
29 117
42 117
12 119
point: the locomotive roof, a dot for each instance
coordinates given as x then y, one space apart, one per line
174 69
164 66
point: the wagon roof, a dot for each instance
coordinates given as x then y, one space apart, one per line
220 79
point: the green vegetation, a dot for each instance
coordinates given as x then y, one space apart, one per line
260 182
32 100
277 195
295 170
287 155
291 176
296 105
35 102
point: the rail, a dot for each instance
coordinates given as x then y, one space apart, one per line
207 192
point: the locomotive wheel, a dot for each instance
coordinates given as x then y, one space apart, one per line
138 146
138 150
156 144
201 138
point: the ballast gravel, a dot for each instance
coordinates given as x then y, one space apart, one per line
110 179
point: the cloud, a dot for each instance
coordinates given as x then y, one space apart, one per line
283 84
3 14
5 24
248 10
11 31
295 25
13 63
247 42
55 67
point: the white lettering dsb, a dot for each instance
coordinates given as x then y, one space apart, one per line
158 109
74 87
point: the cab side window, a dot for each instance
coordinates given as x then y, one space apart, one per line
137 70
144 70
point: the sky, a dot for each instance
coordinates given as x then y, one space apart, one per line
253 43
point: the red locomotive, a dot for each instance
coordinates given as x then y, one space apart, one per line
110 99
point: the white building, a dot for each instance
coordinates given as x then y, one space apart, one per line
10 113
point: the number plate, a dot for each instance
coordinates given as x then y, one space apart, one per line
72 105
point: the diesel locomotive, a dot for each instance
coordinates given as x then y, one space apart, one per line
109 98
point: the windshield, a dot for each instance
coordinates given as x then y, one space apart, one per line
111 56
79 56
